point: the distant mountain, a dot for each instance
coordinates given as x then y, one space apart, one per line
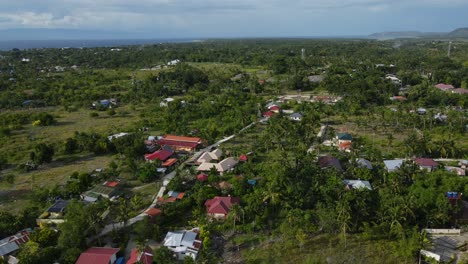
457 33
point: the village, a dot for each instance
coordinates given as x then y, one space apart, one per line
209 165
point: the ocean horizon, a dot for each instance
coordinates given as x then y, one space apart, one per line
6 45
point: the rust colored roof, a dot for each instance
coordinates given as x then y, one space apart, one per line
183 139
243 157
111 183
268 114
346 145
169 162
170 200
153 212
180 195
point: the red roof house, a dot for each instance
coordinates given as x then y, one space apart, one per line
243 158
268 114
111 183
460 91
153 212
162 155
275 109
202 177
444 87
98 255
145 257
219 207
425 163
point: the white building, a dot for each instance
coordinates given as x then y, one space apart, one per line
183 243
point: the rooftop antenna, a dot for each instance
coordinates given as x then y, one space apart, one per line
303 54
449 48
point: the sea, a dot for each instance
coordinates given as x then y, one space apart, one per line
80 43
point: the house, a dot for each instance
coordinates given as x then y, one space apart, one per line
165 102
268 114
440 117
221 167
145 257
219 207
460 91
209 156
344 137
274 109
183 243
171 197
326 162
180 143
54 214
421 111
398 98
393 79
426 164
363 163
393 165
98 255
169 162
357 184
457 170
345 146
202 177
107 190
119 135
243 158
444 87
173 62
271 104
162 155
12 243
315 78
153 213
296 116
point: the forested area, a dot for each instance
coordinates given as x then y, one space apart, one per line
59 107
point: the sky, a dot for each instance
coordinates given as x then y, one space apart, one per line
41 19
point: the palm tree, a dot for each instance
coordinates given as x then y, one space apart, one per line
234 215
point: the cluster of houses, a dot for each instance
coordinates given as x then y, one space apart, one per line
274 108
343 141
300 98
12 243
426 164
450 88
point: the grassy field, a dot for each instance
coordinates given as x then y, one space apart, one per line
18 146
318 249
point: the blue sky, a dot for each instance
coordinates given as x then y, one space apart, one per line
229 18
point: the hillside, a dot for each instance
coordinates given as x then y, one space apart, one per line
457 33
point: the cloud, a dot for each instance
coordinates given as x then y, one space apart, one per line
206 16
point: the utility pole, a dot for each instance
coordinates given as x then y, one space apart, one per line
303 54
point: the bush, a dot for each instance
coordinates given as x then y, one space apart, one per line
111 112
93 114
5 132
